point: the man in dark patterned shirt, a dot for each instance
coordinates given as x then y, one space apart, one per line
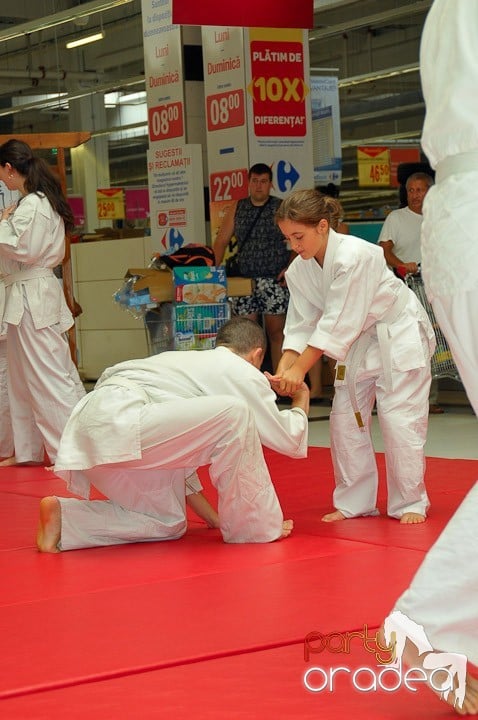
263 256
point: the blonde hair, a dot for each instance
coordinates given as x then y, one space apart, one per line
309 207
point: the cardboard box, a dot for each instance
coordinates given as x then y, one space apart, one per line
159 283
161 288
199 285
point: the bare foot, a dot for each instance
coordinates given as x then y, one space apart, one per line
49 528
464 695
8 461
333 516
287 527
470 703
411 518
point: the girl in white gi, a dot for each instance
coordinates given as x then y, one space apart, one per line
443 595
6 434
140 435
43 382
346 303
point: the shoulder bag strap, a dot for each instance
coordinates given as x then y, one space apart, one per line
232 245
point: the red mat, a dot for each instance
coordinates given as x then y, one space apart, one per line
257 685
199 628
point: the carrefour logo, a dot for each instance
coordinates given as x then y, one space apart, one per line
287 176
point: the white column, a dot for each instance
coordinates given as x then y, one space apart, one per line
90 162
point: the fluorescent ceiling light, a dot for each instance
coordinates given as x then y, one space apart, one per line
108 87
133 98
379 75
85 40
60 18
111 99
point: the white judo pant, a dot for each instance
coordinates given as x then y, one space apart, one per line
146 497
6 433
403 417
44 386
443 595
456 315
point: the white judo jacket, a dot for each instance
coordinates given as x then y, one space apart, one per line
32 243
330 308
105 425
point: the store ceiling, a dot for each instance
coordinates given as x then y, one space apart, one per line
371 45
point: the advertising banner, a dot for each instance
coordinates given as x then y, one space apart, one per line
399 155
279 105
137 203
77 206
175 175
326 139
247 13
163 71
225 101
176 206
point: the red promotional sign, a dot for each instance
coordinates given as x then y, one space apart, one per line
247 13
78 209
401 155
225 110
229 185
137 203
278 88
165 121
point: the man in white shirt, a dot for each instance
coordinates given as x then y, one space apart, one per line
400 240
141 434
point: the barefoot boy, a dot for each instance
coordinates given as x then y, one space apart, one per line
140 435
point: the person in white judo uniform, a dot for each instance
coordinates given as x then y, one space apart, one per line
346 303
6 432
141 434
43 382
443 595
32 438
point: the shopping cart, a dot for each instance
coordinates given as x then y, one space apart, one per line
159 325
172 326
442 363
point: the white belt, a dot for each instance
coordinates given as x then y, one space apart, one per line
460 163
30 274
359 348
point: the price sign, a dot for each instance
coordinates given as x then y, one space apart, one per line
165 121
400 155
373 166
110 204
225 110
230 185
